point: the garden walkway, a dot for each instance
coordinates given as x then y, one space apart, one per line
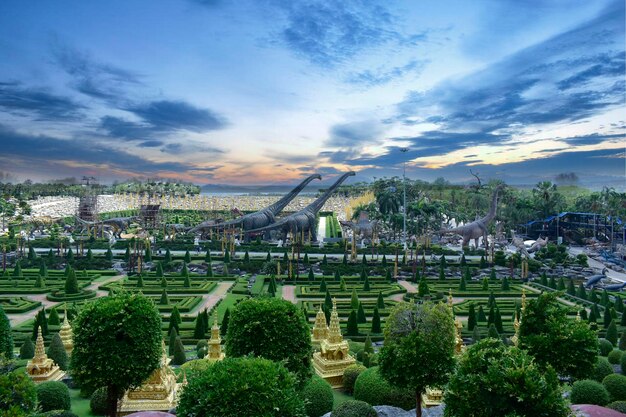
209 300
289 293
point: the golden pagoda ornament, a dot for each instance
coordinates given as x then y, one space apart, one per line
516 323
67 335
320 329
432 397
214 352
157 393
41 368
334 357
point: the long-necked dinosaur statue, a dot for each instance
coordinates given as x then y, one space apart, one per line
305 219
257 219
118 224
478 228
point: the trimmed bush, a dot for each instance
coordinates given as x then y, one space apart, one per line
179 352
615 356
602 369
318 397
605 347
350 375
195 365
588 391
247 387
618 406
98 402
27 351
57 352
352 408
374 390
615 384
53 395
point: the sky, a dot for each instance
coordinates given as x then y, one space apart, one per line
269 91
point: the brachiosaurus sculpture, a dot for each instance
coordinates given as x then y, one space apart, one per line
304 220
260 218
118 224
478 228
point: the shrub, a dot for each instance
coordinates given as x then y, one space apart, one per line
98 402
618 406
350 375
352 408
615 384
18 395
27 351
373 389
53 395
588 391
196 365
605 347
615 356
179 353
57 352
318 397
247 387
602 369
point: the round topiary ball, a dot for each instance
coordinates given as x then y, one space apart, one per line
618 406
374 390
98 402
615 356
615 384
602 369
588 391
352 408
53 395
605 347
318 397
350 375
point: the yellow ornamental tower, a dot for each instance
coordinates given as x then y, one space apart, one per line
66 335
334 357
214 352
320 329
41 368
157 393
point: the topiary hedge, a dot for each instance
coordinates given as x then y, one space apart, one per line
618 406
98 402
350 375
588 391
602 369
53 395
605 347
352 408
318 397
615 384
374 390
615 356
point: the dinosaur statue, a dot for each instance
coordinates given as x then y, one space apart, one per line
117 224
478 228
260 218
594 279
304 220
615 287
539 243
363 227
519 244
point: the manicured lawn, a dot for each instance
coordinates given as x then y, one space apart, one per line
80 405
340 397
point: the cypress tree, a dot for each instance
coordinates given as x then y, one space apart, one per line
604 299
366 285
581 293
324 260
622 341
376 321
476 334
492 316
471 317
493 332
140 281
31 254
108 255
27 351
53 318
364 260
367 345
384 261
323 284
163 282
71 283
225 320
50 254
388 276
43 269
607 318
185 271
462 284
593 297
571 289
6 337
463 262
126 254
337 276
442 273
552 283
354 300
207 256
360 314
268 257
175 320
380 302
327 313
311 275
168 256
57 352
483 262
583 314
39 282
187 257
485 286
17 271
70 255
164 298
544 279
618 304
492 300
353 325
148 254
561 285
623 320
328 301
498 321
186 281
505 284
89 255
179 356
199 329
342 285
345 259
482 318
159 270
442 262
173 334
422 288
209 270
611 333
592 316
246 258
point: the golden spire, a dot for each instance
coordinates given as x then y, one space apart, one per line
215 330
40 350
67 336
450 301
214 352
334 331
320 328
523 300
578 315
516 324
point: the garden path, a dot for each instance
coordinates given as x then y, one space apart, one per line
209 300
289 293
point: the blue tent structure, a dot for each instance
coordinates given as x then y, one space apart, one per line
575 227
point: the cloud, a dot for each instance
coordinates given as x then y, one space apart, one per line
169 115
382 75
39 104
353 134
119 128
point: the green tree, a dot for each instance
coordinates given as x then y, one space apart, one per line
71 283
471 317
247 387
27 351
173 334
108 255
224 324
419 348
175 320
360 314
187 257
56 352
179 356
353 324
422 288
366 284
117 344
6 337
258 326
494 379
569 346
492 332
611 333
354 300
376 321
168 256
18 394
380 301
164 298
482 318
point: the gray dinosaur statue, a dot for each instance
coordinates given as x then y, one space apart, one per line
518 242
304 220
595 279
363 227
259 218
117 224
539 243
478 228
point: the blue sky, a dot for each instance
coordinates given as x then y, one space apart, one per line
267 91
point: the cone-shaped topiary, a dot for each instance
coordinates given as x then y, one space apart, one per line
71 283
6 338
27 351
53 318
354 300
164 298
360 314
224 324
56 352
376 322
179 356
353 325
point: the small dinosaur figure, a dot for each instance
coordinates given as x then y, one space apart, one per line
478 228
363 227
117 224
518 242
539 243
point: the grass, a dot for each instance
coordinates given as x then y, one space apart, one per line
80 405
340 397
